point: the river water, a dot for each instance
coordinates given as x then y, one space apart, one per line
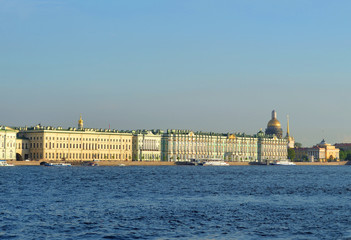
175 202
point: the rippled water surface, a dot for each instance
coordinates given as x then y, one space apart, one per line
176 202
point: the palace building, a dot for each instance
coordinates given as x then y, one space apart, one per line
270 147
7 143
49 143
146 145
321 152
184 145
76 144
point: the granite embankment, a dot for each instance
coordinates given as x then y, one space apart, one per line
323 163
136 163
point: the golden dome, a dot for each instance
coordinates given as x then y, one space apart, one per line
274 123
80 121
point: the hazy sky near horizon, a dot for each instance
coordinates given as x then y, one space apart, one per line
207 65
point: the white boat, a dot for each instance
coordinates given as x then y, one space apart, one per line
215 163
283 163
57 164
3 163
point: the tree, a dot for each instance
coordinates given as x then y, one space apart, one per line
305 158
298 145
345 154
291 154
342 154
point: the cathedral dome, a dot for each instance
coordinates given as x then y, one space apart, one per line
274 123
274 127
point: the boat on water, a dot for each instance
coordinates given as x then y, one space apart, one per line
3 163
283 163
185 163
89 164
215 163
46 164
191 162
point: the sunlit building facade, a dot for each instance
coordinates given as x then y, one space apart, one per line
146 145
182 145
7 143
321 152
49 143
271 147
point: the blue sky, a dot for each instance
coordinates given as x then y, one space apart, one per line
206 65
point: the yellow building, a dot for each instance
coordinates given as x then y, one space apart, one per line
22 148
331 153
321 152
49 143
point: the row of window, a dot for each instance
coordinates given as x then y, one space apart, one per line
84 146
80 156
3 156
22 146
80 139
7 136
221 153
9 145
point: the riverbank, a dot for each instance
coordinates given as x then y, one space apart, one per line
322 163
137 163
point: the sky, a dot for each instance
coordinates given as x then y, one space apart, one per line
202 65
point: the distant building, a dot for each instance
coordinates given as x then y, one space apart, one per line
343 146
270 147
49 143
274 126
146 145
313 154
76 144
186 145
331 152
7 143
321 152
241 148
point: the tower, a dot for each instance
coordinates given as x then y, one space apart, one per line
80 123
291 140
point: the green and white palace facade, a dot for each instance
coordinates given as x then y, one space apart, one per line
183 145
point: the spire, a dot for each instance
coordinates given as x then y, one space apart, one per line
80 122
288 129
